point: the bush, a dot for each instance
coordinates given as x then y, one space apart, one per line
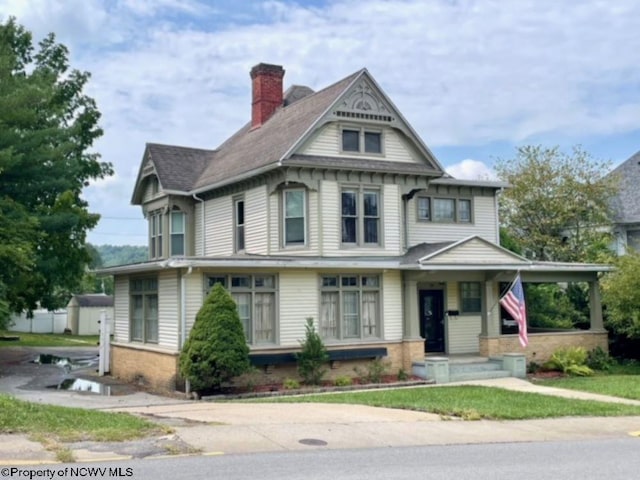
343 381
403 376
598 359
312 357
291 384
569 360
216 350
373 372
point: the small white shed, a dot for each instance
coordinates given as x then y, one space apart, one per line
83 313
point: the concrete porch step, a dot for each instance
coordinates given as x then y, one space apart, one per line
478 375
482 366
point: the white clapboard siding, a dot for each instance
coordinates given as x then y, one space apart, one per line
391 223
298 300
149 194
219 226
168 309
391 219
474 251
274 223
121 309
452 296
330 212
194 297
484 225
256 221
463 334
327 142
197 230
392 305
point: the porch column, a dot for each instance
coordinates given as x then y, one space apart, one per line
490 313
595 307
411 321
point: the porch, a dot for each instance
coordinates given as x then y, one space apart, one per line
459 368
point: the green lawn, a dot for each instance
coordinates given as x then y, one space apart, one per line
621 381
70 424
48 340
471 402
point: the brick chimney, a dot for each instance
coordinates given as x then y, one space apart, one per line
266 83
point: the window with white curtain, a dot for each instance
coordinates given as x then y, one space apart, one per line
255 297
350 307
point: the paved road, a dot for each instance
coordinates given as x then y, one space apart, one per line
584 460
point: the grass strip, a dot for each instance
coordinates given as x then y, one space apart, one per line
48 340
471 402
624 386
67 424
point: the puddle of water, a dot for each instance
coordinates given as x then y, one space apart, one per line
82 385
64 362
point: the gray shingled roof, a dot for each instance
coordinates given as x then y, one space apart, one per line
178 168
415 253
250 150
626 204
94 300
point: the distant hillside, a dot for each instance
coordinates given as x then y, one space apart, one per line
113 255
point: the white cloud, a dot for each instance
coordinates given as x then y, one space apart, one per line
471 170
468 72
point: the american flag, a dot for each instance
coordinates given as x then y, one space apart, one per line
513 302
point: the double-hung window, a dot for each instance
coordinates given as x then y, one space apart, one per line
238 220
444 210
177 232
360 140
144 309
360 216
155 235
350 307
255 297
294 211
470 297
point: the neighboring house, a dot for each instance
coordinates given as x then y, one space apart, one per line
626 205
84 313
327 205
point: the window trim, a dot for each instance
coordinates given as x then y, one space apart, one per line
340 290
144 293
239 230
156 220
456 208
253 291
362 131
173 234
305 215
360 191
461 291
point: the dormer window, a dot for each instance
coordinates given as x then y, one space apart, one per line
361 140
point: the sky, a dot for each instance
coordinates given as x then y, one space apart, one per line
476 79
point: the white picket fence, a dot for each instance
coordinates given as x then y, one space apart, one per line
43 321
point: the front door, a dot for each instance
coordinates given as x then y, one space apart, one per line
432 320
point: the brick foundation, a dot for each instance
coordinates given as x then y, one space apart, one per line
154 369
542 345
158 370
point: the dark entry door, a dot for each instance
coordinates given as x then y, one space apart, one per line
432 320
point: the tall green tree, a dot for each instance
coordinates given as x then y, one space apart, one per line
47 129
558 205
621 296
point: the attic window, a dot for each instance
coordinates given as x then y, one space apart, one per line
359 140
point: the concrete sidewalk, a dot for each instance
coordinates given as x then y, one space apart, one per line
216 428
